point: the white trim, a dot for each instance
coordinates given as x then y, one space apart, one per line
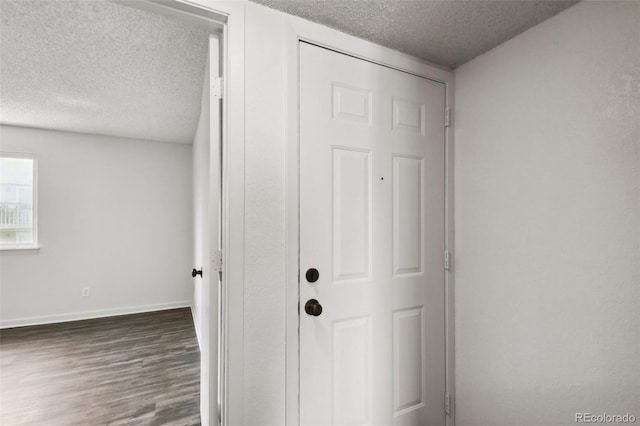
292 230
449 274
27 249
209 355
195 15
300 30
233 190
83 315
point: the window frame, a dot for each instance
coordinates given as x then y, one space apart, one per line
34 246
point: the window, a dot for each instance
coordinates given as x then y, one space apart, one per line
18 201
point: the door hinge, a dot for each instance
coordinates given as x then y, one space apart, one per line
447 260
447 116
217 87
447 403
216 260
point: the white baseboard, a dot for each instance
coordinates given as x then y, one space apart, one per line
196 326
76 316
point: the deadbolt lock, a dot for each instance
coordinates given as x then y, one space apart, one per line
312 275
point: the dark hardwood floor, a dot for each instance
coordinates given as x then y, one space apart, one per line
141 369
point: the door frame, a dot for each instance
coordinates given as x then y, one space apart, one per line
225 18
298 30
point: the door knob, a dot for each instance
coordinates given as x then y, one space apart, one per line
196 272
313 307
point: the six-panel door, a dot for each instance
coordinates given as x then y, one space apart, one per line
372 155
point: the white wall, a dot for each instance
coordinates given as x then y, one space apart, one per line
264 284
548 222
115 215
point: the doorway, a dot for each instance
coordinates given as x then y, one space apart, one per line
208 165
136 205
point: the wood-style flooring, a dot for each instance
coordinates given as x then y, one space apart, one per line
141 369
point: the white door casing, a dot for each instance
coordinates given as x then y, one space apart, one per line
372 222
210 175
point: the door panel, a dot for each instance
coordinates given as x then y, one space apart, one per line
372 223
352 371
351 214
351 103
207 207
407 215
408 359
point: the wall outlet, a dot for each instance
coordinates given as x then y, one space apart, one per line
86 291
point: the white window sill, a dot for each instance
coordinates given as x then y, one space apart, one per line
20 250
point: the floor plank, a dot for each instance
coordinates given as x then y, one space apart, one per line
141 369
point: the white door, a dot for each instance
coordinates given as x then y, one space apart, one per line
207 205
372 168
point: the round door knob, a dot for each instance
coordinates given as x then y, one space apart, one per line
196 272
312 275
313 307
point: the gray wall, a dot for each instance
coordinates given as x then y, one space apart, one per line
115 215
548 222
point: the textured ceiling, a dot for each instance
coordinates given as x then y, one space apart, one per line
444 32
99 67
